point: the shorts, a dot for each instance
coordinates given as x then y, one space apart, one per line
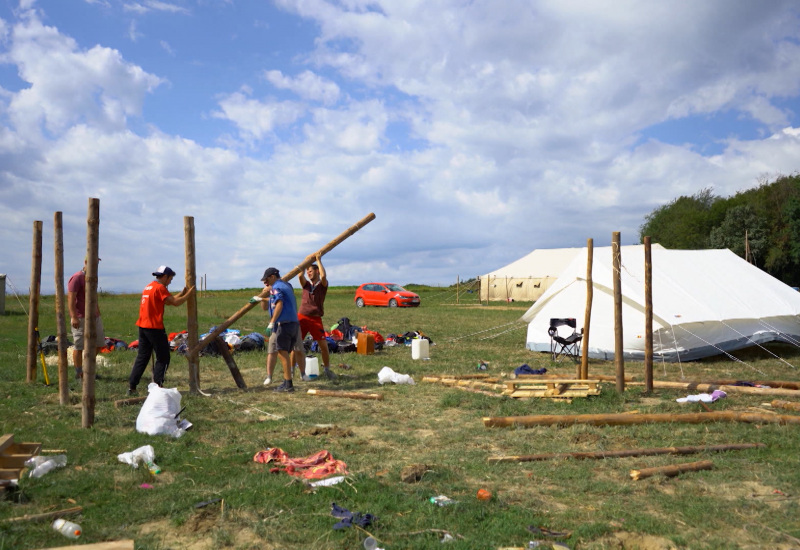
77 334
313 326
285 337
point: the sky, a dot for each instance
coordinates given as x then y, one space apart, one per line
474 130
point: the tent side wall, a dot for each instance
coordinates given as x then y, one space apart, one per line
517 289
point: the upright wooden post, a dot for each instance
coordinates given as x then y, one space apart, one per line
90 327
61 325
583 373
648 317
193 356
33 317
458 287
619 360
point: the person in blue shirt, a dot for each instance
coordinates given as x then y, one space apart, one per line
283 321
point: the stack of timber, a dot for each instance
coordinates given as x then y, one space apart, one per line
13 457
551 388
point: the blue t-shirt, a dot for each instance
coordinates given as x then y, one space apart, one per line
283 292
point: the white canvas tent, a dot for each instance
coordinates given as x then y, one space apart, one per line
705 302
525 279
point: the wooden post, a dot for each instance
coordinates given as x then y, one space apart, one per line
61 325
33 318
193 357
648 317
90 327
619 360
310 259
458 287
623 419
599 455
583 372
225 352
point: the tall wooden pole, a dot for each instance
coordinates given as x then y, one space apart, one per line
583 373
310 259
619 360
61 325
90 312
191 306
648 317
33 317
458 287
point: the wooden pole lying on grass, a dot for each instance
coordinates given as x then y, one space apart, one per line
629 452
61 324
310 259
347 394
621 419
47 515
673 470
33 309
90 311
127 544
699 387
789 405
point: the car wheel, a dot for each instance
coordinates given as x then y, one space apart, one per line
392 303
359 302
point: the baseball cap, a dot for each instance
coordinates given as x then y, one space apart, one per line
163 270
270 271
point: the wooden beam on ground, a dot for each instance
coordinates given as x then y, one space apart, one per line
127 544
673 470
347 394
708 388
621 419
47 515
310 259
789 405
629 452
129 401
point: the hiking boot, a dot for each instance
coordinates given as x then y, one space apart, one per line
267 380
329 374
131 392
286 386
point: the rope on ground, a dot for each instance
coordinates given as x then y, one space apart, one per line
486 330
501 333
722 351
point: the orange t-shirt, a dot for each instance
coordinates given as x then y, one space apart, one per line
151 310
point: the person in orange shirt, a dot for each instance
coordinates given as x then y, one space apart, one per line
152 336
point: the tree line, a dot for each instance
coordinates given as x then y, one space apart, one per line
761 225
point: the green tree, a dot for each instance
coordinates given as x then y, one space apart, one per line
684 223
740 222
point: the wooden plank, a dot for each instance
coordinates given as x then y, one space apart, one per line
5 441
108 545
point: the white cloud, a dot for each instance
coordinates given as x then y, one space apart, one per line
307 85
154 5
256 119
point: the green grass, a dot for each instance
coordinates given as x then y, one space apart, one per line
732 506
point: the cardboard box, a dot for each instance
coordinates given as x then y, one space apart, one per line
365 344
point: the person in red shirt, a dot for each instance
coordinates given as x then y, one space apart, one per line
76 300
312 308
152 336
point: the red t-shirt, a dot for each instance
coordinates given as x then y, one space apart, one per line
77 284
312 302
151 310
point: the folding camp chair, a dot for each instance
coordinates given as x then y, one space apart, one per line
569 346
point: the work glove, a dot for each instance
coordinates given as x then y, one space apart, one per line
269 329
256 299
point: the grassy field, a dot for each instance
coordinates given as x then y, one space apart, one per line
750 499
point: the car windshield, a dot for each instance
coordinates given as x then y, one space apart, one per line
395 288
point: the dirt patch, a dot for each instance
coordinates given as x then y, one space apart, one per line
331 431
633 541
205 530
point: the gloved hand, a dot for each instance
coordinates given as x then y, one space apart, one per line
269 329
256 299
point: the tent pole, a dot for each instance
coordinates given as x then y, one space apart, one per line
619 361
583 372
648 317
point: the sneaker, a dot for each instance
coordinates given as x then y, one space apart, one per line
329 374
305 378
267 380
286 386
131 392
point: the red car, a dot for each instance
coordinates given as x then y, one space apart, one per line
385 294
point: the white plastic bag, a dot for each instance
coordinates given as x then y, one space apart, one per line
388 375
143 455
159 414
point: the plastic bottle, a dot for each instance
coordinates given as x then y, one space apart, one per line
67 528
153 467
50 463
370 543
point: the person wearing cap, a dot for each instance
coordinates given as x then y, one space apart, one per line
76 300
152 336
283 323
312 303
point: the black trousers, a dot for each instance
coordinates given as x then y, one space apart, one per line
150 340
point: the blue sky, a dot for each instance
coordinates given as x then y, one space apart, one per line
476 131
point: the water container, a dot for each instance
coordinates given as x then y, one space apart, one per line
67 528
419 348
312 367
